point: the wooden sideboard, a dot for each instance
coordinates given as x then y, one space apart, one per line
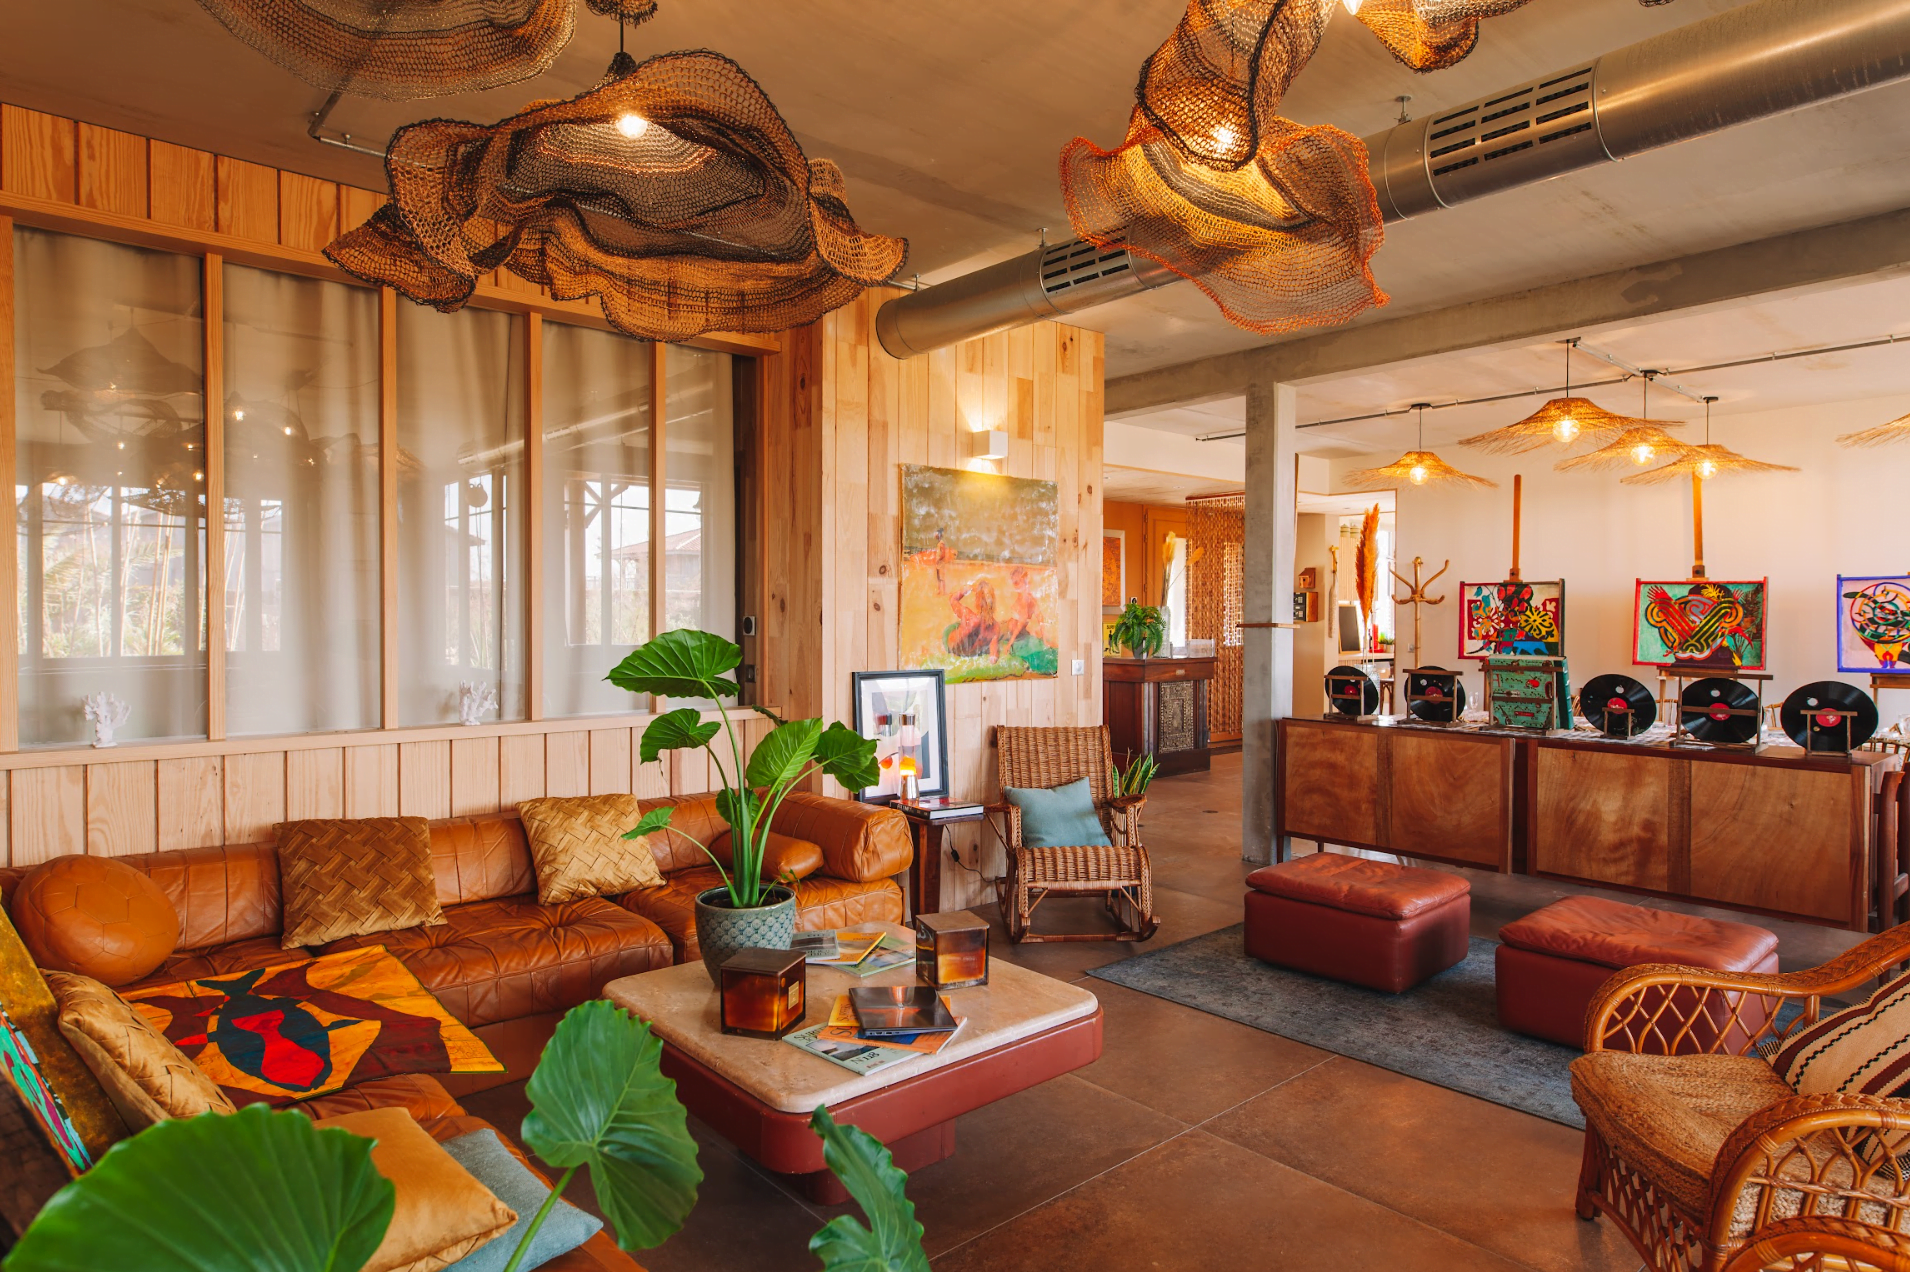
1776 832
1158 707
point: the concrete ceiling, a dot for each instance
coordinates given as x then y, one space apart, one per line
948 120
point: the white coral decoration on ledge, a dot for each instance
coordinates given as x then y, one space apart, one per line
107 714
474 700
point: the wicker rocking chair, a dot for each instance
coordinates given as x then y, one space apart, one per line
1050 757
1698 1156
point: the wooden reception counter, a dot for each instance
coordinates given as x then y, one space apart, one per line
1776 832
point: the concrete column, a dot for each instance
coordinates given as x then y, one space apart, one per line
1266 597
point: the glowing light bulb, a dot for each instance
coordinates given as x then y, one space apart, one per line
1707 469
238 415
122 445
1417 474
198 476
1566 429
1642 453
1352 6
288 430
632 125
1223 137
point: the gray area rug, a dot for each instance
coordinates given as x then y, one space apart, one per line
1445 1031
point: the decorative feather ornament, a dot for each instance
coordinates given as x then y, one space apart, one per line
1366 563
1897 430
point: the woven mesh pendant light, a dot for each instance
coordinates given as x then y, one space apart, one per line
1705 462
1276 222
1417 467
1897 430
1429 35
673 192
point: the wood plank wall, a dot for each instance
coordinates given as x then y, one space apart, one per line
841 417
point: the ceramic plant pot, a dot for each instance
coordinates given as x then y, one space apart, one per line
722 930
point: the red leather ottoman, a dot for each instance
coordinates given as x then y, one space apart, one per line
1553 960
1355 919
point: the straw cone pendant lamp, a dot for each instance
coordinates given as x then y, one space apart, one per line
1897 430
1646 442
1564 421
1705 462
1416 467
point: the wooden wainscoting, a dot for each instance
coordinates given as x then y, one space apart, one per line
192 795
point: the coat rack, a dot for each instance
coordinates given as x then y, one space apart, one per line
1416 596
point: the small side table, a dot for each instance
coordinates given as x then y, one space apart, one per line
925 872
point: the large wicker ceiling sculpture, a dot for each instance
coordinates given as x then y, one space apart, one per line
1276 222
673 191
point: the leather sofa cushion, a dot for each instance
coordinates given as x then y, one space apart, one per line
1359 885
860 842
221 960
822 902
498 960
481 859
220 894
1613 934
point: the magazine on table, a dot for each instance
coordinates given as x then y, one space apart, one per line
856 1055
864 953
842 1027
936 807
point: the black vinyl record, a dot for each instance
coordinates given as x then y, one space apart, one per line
1719 710
1618 706
1815 717
1439 699
1351 691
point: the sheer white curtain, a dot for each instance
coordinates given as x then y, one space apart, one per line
596 589
699 512
109 486
301 504
461 432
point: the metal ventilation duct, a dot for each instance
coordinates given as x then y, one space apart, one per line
1751 62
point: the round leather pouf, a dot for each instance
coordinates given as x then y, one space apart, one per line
94 916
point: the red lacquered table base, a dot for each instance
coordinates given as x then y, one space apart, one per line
915 1117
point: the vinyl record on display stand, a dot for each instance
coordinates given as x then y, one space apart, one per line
1828 717
1351 691
1618 706
1720 711
1436 699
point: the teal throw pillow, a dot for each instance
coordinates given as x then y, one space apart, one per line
484 1155
1060 818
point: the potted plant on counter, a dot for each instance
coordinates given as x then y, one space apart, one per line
1140 630
748 911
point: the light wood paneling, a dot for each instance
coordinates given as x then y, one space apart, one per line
1772 838
652 780
315 783
371 781
567 763
248 199
1604 818
690 772
355 206
122 809
38 155
191 802
474 776
113 175
47 813
308 211
424 779
254 796
183 188
520 773
609 761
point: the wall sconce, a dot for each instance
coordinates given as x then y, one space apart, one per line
991 444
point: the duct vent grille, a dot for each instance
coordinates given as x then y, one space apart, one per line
1068 266
1510 127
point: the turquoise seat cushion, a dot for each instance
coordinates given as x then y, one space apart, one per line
1063 817
565 1228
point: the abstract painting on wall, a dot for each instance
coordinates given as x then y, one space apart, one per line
1699 624
980 582
1512 617
1873 622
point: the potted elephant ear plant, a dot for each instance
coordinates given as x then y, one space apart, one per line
748 910
1140 630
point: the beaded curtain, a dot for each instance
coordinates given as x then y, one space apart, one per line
1216 531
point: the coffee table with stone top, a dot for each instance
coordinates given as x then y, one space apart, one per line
1022 1029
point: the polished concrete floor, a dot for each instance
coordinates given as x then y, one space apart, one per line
1198 1143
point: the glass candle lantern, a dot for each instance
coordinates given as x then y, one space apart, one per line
763 993
951 950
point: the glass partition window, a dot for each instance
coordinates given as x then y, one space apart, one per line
597 515
301 504
109 487
699 529
461 433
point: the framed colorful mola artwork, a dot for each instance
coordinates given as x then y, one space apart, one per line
1873 622
1699 624
23 1071
1512 617
979 577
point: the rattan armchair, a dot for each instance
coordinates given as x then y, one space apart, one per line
1050 757
1696 1156
1823 1245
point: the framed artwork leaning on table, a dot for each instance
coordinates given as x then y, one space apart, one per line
906 713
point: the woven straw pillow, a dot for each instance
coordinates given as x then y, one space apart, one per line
147 1078
356 876
578 848
1861 1050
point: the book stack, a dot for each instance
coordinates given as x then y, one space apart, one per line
873 1029
938 807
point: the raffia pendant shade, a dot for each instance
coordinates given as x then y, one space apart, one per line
1415 468
1276 222
1633 448
1590 423
673 192
1706 461
398 50
1897 430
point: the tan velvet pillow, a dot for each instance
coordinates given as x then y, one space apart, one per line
146 1077
578 848
354 877
442 1212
